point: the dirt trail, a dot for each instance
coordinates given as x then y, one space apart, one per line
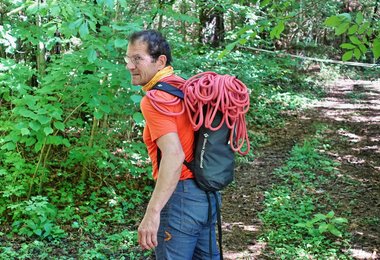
352 112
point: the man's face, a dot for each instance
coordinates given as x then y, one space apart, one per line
140 64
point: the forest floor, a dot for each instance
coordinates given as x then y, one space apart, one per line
351 110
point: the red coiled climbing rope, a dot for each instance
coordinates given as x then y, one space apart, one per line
223 93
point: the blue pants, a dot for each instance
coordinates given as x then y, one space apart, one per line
184 231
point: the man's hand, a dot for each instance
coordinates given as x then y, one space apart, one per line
147 231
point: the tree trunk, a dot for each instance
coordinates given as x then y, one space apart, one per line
212 29
183 23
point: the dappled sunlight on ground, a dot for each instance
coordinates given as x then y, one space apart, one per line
354 101
361 254
252 252
352 112
355 106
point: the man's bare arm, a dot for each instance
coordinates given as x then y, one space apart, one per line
172 157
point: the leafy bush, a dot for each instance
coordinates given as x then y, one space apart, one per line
36 217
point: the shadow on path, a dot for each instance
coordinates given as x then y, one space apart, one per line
352 112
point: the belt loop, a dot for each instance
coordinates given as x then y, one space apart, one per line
181 186
185 187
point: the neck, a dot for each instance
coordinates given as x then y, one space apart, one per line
167 71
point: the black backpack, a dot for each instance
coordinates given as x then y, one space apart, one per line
214 160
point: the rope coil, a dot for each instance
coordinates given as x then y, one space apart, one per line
215 92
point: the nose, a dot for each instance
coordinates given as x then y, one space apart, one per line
130 66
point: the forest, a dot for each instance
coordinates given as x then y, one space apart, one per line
75 176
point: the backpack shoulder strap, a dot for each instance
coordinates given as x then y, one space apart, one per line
166 87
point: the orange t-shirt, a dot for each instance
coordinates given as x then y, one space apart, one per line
159 124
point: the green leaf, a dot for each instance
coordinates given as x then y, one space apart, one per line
30 100
32 9
76 23
120 43
363 27
277 30
38 145
347 46
357 53
25 131
264 3
22 111
355 40
3 172
75 225
48 130
318 217
56 140
59 125
136 98
376 48
353 29
30 141
227 50
332 21
242 41
55 11
91 55
323 227
342 28
92 25
359 18
48 228
66 142
300 225
38 232
339 220
10 146
43 119
330 214
31 224
363 48
98 114
347 56
35 125
345 17
138 118
333 230
105 108
83 30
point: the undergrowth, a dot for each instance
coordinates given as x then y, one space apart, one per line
296 224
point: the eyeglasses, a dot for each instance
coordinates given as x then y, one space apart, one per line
135 60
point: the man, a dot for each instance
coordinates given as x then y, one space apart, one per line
176 221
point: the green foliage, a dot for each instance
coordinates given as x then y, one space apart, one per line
70 124
36 217
119 245
360 33
71 151
294 228
325 223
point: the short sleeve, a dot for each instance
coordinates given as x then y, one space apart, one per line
158 123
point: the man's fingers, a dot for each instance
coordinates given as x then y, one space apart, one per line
149 244
147 240
154 239
141 239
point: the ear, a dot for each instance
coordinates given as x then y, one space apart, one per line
161 62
